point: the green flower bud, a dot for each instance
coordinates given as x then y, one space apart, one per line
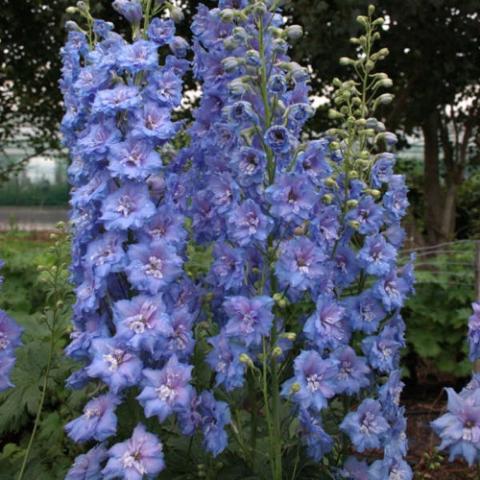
277 352
331 182
354 224
71 10
244 358
334 114
291 336
294 32
373 192
295 388
227 15
371 9
328 199
352 203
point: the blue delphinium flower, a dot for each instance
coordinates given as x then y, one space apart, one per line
214 416
353 371
10 334
112 361
247 223
459 428
89 465
314 380
97 422
166 390
136 458
327 326
317 441
300 264
249 319
366 427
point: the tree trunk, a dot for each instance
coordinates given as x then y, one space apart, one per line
432 187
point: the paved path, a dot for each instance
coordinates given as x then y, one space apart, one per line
31 218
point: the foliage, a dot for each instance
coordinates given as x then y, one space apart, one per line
38 295
36 194
436 315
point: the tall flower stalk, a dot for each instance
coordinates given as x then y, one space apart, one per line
247 285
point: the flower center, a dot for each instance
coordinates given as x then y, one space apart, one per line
92 412
314 382
114 359
125 206
154 267
4 341
166 393
134 460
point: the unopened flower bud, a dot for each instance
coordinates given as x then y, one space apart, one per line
291 336
294 32
330 182
277 352
227 15
354 224
244 358
352 203
328 198
373 192
72 26
295 388
71 10
176 14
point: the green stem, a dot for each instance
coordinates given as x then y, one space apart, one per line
40 407
267 412
253 417
277 450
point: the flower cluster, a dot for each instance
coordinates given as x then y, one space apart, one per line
136 307
10 334
300 301
459 427
296 223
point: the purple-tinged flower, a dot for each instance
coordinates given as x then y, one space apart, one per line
141 321
94 326
314 437
364 312
10 334
117 99
313 163
130 9
314 381
327 327
395 468
352 371
167 225
129 207
138 457
395 200
215 416
167 390
134 159
165 88
89 465
154 123
300 264
292 199
382 170
224 192
98 138
278 138
247 223
377 256
391 290
383 350
161 31
224 359
355 470
97 422
153 266
459 428
140 56
180 341
474 332
228 266
114 364
366 426
179 47
249 319
6 365
241 114
106 254
250 166
299 113
368 215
